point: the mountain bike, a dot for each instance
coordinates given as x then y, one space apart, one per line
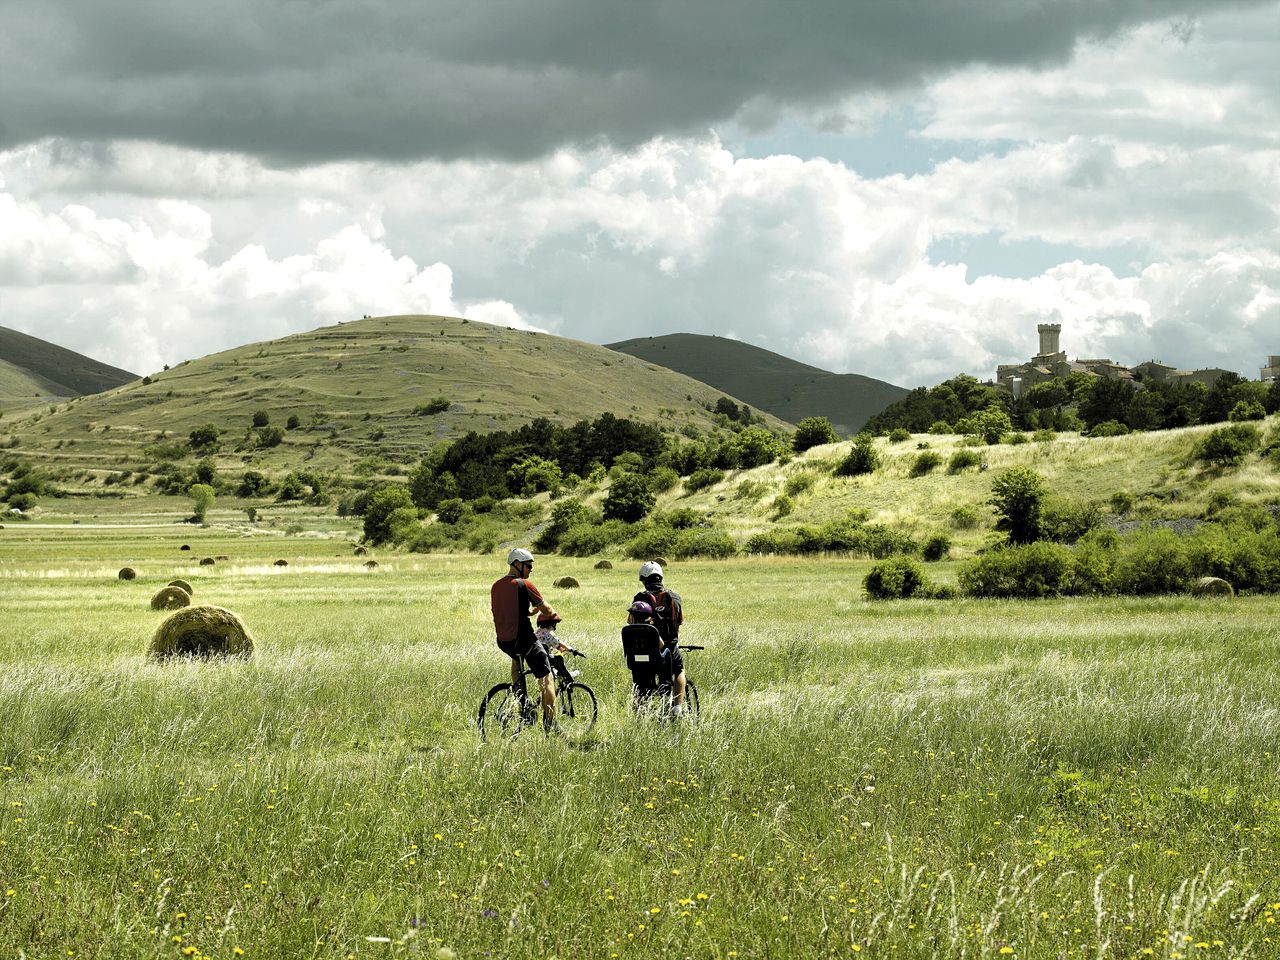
506 710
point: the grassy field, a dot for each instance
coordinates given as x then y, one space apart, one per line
916 779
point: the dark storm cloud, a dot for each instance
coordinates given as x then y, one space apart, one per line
312 80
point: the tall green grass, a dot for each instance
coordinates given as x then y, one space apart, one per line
910 779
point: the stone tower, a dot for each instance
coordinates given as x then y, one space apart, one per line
1048 338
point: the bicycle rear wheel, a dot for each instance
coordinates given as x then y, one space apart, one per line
499 717
577 710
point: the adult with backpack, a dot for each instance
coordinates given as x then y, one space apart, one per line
668 614
513 599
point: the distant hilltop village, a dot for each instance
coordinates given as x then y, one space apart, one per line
1052 362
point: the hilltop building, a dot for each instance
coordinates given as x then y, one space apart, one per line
1052 362
1272 370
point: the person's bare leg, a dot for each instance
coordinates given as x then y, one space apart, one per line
548 686
677 691
516 673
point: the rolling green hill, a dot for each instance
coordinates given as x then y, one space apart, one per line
360 390
768 381
33 371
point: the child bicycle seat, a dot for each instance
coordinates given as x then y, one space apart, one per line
647 661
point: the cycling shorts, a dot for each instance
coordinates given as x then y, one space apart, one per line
534 653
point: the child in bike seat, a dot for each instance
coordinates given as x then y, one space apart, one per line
546 635
647 656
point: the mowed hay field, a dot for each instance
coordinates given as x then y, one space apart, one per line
916 779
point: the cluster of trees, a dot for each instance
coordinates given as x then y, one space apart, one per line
1080 401
544 456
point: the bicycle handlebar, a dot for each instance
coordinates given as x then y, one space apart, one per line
689 646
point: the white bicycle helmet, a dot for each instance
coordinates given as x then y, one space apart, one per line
650 569
519 555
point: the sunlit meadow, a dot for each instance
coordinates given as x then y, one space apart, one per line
916 779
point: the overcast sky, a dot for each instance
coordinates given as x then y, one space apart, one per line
901 189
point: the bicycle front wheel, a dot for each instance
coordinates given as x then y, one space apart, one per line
577 710
691 699
499 717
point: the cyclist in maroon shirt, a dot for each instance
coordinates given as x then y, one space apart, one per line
513 599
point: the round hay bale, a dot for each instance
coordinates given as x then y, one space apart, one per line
604 565
565 583
281 563
361 551
170 598
202 630
185 546
1212 587
662 562
207 561
127 573
371 564
222 556
183 585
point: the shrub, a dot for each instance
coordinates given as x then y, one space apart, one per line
1152 561
750 490
453 510
987 425
937 547
812 432
662 479
377 517
1228 446
253 484
939 427
204 437
756 446
261 418
862 459
925 462
1092 566
879 541
701 479
964 518
1028 571
962 460
710 543
773 542
894 579
1108 428
655 541
629 498
1066 521
293 422
782 507
1245 410
434 405
1045 436
23 501
584 539
681 518
1121 502
1018 495
799 483
1017 438
270 436
899 434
